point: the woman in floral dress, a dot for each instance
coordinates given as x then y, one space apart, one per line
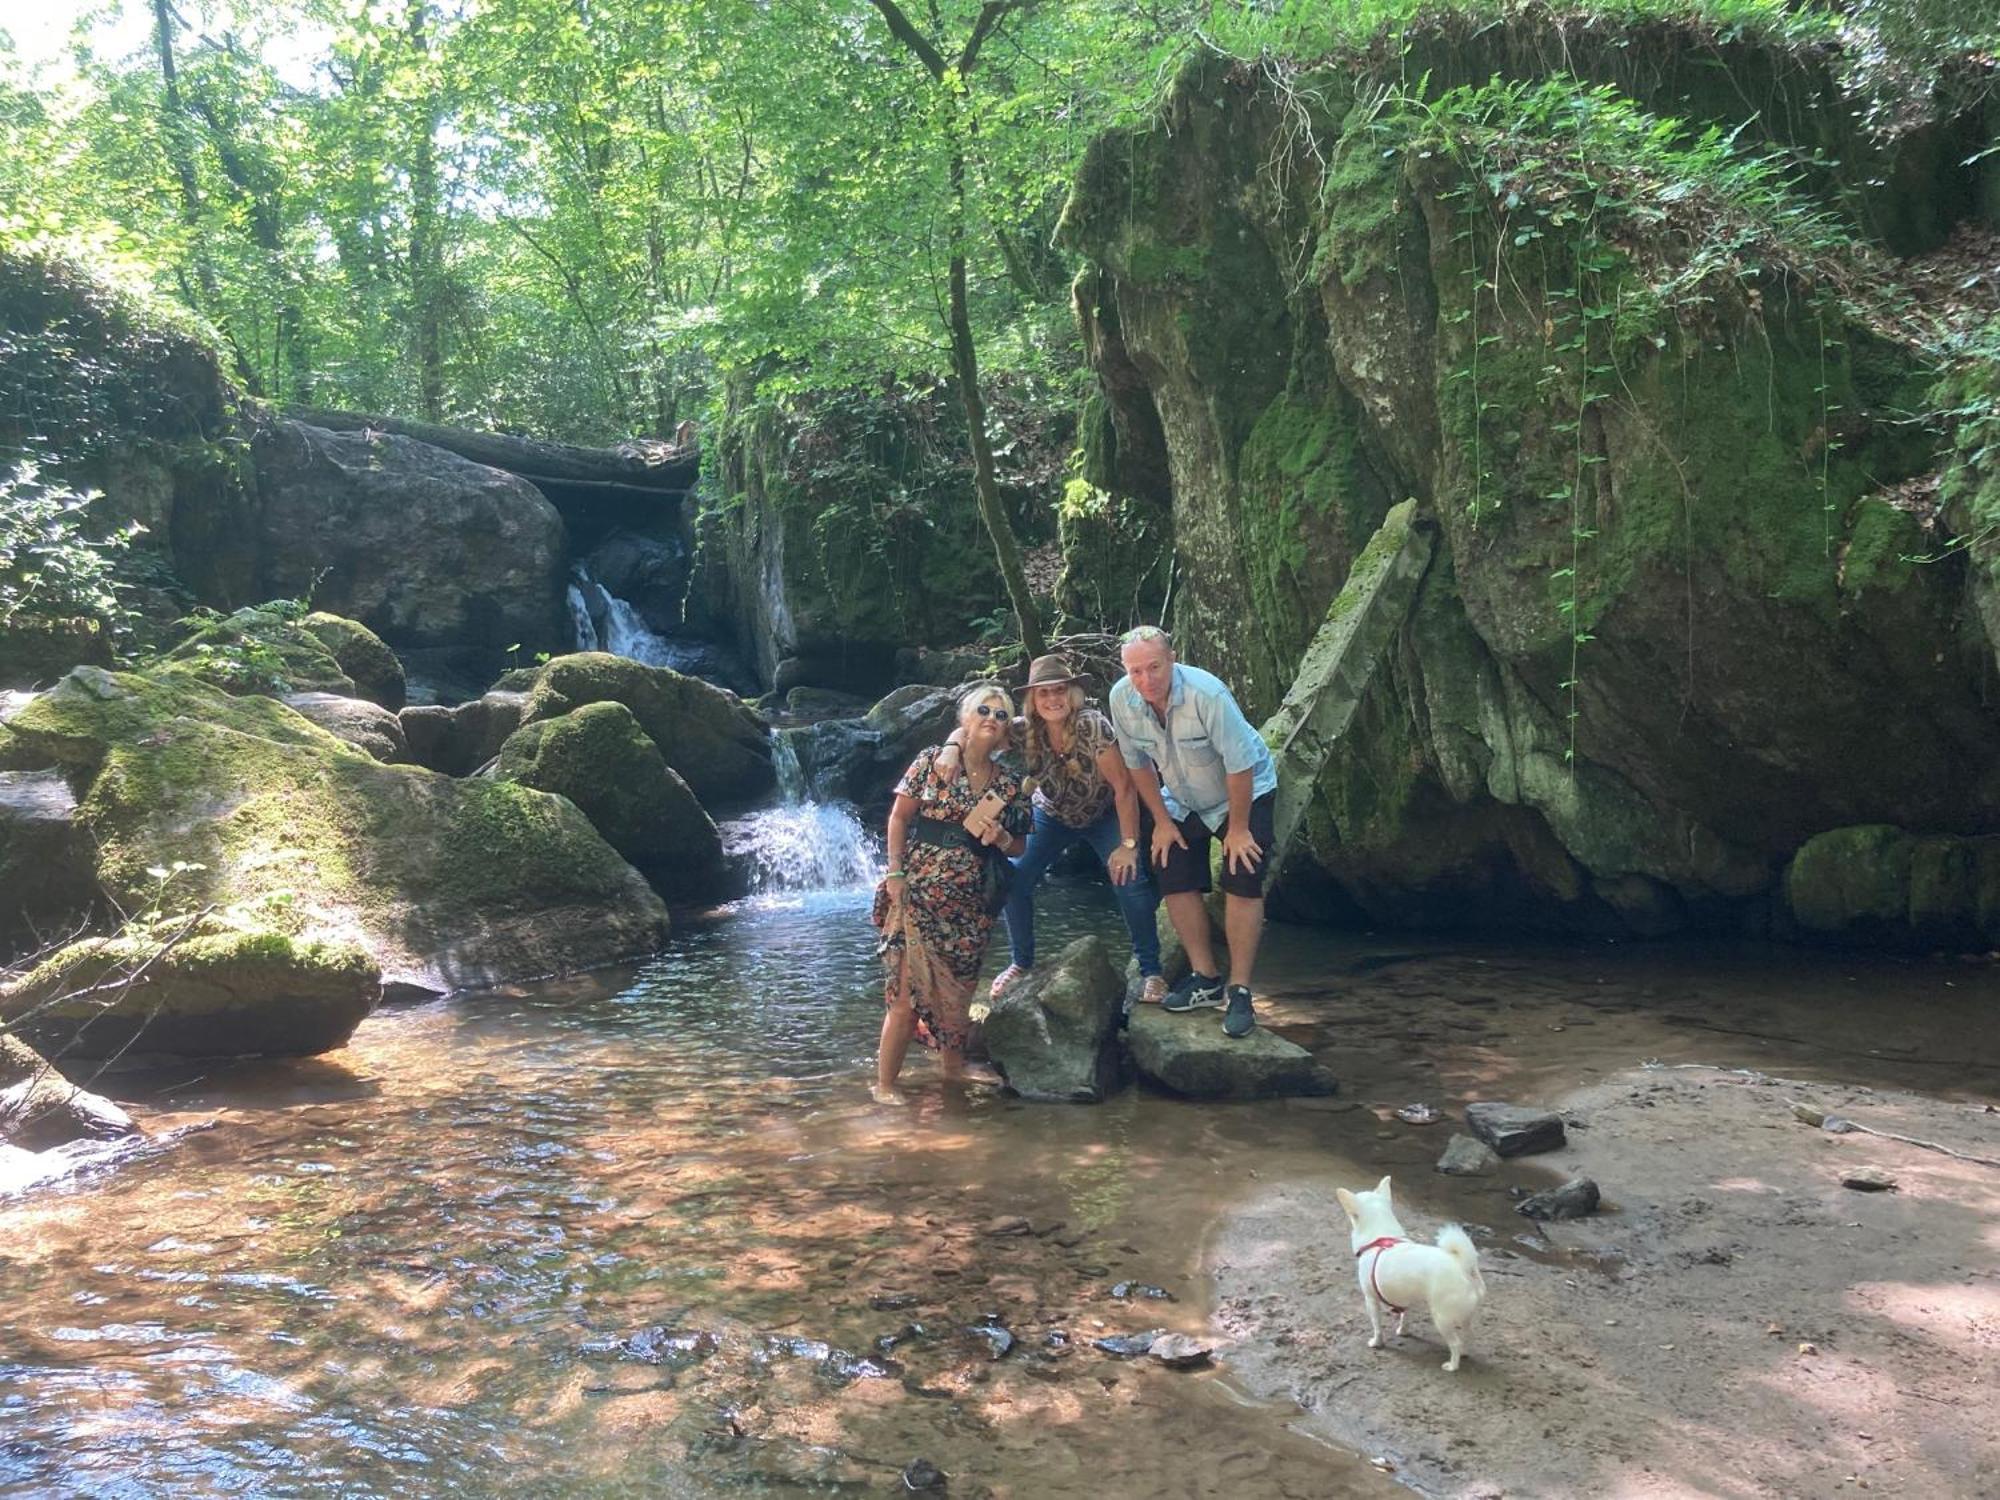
930 905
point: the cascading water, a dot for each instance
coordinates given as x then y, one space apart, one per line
803 845
579 615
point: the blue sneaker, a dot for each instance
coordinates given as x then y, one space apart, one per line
1196 992
1239 1020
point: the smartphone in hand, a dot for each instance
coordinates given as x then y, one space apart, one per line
984 812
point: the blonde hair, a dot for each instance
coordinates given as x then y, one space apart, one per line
978 693
1040 750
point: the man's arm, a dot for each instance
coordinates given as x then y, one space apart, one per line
1166 832
1237 842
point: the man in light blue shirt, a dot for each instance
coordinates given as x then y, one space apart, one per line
1202 771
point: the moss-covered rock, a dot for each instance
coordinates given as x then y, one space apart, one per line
460 739
1674 628
1879 885
719 747
46 875
264 649
849 527
40 1109
362 655
1055 1035
448 884
600 758
216 991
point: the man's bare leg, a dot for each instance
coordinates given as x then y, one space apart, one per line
1243 921
1189 914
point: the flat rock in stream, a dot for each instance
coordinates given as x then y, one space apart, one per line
1130 1345
1189 1055
1180 1351
1515 1130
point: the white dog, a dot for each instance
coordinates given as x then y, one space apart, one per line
1397 1273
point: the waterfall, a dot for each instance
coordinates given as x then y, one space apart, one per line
804 846
579 616
792 786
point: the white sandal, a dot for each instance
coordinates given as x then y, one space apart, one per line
1006 979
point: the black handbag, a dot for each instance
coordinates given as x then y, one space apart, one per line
996 880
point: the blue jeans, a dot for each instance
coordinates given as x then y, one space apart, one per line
1136 899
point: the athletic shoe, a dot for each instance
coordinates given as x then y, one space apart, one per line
1154 990
1239 1020
1006 979
1196 992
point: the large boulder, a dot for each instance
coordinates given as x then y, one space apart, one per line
46 875
719 747
600 758
860 760
1670 628
1188 1054
447 884
362 655
220 991
1878 885
423 547
1055 1035
364 724
460 739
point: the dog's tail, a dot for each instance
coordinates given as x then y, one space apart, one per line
1456 1243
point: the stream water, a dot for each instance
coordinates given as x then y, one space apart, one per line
635 1234
644 1233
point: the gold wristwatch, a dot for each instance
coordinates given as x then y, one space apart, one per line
1128 843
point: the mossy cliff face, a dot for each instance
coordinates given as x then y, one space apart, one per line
446 884
846 527
1671 631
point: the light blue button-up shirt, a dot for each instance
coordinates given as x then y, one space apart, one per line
1204 741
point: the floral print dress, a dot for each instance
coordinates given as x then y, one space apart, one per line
940 940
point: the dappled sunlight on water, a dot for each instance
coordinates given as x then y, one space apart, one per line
636 1236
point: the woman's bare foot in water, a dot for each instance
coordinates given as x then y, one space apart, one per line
887 1093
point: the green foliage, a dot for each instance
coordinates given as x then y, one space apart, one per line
55 573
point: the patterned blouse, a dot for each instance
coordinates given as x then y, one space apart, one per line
1071 789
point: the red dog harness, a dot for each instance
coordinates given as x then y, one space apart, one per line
1378 1246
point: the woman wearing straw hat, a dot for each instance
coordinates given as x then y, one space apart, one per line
1083 793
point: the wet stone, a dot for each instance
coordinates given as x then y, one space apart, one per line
1179 1351
1009 1224
843 1368
1513 1129
892 1301
1467 1157
997 1339
921 1475
1130 1345
1575 1199
889 1341
657 1345
1125 1289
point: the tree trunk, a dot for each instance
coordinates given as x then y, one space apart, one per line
965 363
640 464
426 246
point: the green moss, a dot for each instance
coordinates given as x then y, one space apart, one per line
1880 549
1851 880
264 650
1149 262
361 655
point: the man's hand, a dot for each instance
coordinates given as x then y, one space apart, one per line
1166 838
1123 866
1239 844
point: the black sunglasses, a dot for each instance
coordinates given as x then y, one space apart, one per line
988 711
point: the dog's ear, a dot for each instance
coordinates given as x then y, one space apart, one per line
1382 1187
1346 1201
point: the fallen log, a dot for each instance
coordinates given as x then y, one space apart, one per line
647 464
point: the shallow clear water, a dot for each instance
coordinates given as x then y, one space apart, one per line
635 1234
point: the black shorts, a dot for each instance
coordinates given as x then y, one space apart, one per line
1187 869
